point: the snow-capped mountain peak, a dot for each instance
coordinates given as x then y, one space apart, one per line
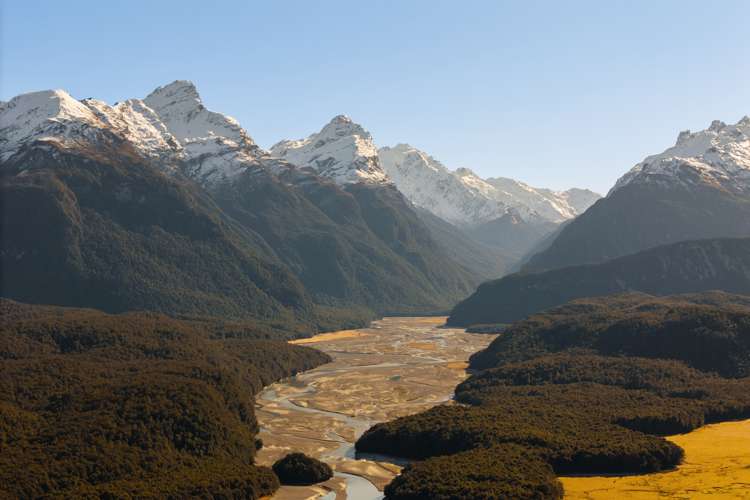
171 125
140 125
51 115
341 126
215 146
181 110
342 151
718 156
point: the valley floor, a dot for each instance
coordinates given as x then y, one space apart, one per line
398 366
402 366
717 465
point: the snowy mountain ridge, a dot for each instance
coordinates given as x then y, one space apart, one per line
170 125
172 128
717 156
462 197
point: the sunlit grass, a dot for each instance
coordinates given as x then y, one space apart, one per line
717 465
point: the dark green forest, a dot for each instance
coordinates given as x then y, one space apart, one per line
299 469
685 267
643 215
585 388
103 228
134 405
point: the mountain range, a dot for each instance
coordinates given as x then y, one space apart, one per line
677 222
160 203
501 216
463 198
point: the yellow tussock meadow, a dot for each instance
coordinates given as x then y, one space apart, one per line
716 466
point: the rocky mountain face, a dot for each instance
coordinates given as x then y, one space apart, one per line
162 204
718 156
685 267
700 188
512 234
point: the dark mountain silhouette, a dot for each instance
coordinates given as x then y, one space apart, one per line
692 266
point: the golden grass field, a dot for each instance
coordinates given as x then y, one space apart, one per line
717 466
327 337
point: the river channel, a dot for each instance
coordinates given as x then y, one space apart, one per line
396 367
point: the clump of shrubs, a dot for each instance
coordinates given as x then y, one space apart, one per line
504 471
300 470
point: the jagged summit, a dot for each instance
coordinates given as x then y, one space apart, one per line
465 172
180 108
341 125
178 90
342 151
171 125
430 185
718 156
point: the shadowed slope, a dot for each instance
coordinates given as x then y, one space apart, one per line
692 266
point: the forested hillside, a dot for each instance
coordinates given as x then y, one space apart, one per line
136 404
586 388
685 267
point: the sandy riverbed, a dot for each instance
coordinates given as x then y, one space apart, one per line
397 367
401 366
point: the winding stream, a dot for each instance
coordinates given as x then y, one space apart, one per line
396 367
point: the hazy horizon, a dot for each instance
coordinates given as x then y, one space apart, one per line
555 96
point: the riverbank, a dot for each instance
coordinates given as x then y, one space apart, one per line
398 366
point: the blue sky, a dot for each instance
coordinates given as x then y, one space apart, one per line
556 94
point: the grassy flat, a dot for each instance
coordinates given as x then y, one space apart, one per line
717 465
